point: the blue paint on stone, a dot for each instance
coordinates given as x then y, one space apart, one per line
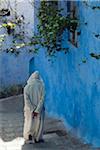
14 70
72 86
31 66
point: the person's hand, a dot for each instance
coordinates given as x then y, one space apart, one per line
35 114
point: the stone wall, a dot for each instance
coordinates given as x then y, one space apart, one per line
73 79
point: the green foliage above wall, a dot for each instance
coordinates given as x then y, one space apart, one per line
51 26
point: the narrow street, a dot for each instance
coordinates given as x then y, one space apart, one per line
11 127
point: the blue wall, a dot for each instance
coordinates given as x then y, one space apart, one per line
72 86
15 70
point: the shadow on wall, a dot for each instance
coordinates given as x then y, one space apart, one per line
11 91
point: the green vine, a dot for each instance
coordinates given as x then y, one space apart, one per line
51 26
14 28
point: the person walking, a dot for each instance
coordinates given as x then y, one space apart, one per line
34 93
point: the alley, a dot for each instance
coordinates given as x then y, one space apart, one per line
11 127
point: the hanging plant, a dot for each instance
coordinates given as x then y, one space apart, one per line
51 26
15 29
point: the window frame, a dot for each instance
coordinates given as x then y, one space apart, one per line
72 12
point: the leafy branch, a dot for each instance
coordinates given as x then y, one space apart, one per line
51 26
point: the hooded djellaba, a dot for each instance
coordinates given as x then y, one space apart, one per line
34 92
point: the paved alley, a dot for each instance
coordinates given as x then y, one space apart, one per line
11 127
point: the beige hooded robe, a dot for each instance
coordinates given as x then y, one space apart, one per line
34 101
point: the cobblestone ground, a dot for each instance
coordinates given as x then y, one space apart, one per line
11 127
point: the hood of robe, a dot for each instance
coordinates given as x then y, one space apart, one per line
34 76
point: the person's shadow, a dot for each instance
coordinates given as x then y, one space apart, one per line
27 147
46 145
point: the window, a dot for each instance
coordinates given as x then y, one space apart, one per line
72 32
